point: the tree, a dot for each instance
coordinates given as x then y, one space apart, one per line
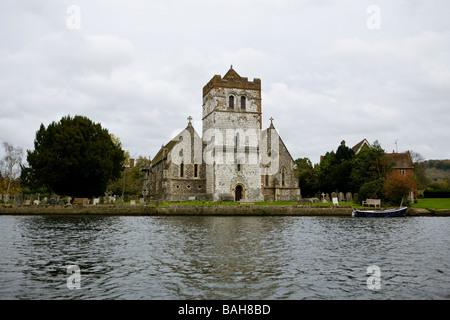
335 169
10 166
369 165
131 178
397 186
325 179
305 173
75 157
420 167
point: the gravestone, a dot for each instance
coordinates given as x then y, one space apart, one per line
132 202
60 202
36 202
335 202
349 197
68 200
27 202
341 197
44 201
52 201
327 197
96 201
141 200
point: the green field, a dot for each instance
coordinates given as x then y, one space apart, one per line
432 203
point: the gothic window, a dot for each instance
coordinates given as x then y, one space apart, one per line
283 177
195 170
243 103
182 170
236 140
238 166
266 179
231 102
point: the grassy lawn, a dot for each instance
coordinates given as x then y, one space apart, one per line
432 203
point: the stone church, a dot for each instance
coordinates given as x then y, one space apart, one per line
234 160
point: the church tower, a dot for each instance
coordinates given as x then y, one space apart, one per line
232 123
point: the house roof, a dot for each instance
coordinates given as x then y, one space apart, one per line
359 146
402 160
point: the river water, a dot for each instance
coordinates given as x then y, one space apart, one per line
212 257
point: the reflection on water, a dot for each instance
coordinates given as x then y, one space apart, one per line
223 257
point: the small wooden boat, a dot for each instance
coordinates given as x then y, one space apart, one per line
400 212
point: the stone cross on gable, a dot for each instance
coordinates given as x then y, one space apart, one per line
189 118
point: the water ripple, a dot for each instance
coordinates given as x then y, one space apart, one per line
224 257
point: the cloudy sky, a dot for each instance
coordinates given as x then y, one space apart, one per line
331 70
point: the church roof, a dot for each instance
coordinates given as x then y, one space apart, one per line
165 149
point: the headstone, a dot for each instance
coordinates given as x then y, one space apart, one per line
341 197
44 201
36 202
52 201
349 197
132 202
191 198
96 201
335 202
27 202
327 197
60 202
356 198
68 200
141 200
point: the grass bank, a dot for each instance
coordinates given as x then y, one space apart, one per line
432 204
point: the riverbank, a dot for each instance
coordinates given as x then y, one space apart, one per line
174 210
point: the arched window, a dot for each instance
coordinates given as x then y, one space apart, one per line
283 177
266 178
231 102
182 170
195 170
236 140
243 103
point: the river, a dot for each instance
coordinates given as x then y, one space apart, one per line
224 257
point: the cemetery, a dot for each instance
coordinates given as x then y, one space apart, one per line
336 204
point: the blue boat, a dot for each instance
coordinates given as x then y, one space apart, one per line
400 212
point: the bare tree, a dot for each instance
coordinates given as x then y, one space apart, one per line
420 170
10 164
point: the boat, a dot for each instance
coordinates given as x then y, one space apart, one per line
399 212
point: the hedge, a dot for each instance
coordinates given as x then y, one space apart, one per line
436 194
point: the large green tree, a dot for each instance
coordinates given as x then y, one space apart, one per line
306 175
370 165
74 157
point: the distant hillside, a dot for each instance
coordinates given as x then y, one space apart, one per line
437 169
